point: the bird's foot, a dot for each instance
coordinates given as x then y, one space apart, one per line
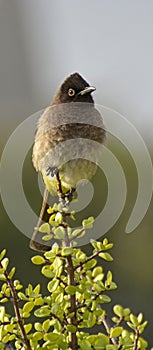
53 171
64 198
69 195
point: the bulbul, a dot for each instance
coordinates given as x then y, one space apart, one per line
68 139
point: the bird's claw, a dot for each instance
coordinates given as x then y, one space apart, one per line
68 196
64 198
52 171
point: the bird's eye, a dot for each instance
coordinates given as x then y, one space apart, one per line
71 92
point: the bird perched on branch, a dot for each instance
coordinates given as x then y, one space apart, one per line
67 143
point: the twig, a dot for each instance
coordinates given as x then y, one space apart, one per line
73 345
73 319
59 189
136 339
121 319
77 235
16 309
107 327
88 259
58 319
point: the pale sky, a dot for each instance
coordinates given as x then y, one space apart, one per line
109 42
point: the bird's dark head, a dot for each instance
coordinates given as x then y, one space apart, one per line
74 89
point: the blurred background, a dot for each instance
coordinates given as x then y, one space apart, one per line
110 44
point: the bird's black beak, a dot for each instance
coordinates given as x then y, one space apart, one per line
87 90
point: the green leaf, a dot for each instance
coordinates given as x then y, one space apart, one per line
91 263
2 276
71 328
46 325
131 325
46 271
142 344
71 315
38 326
66 251
47 237
126 312
101 341
59 218
99 312
38 260
116 332
37 289
80 255
22 296
72 215
7 292
53 337
5 263
108 246
37 336
52 221
105 241
134 320
6 338
59 232
99 277
28 306
2 313
55 248
105 256
4 300
44 228
112 286
39 301
18 286
28 327
59 298
115 319
94 244
2 254
52 285
50 210
58 262
11 273
70 290
85 345
142 327
105 298
17 283
50 255
118 310
88 223
42 311
91 319
97 271
92 338
140 318
109 277
4 287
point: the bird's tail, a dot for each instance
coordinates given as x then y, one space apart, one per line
36 242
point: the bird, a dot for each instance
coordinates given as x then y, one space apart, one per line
67 142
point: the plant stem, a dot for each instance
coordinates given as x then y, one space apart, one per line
16 310
88 259
73 340
107 327
136 339
73 319
77 235
73 308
